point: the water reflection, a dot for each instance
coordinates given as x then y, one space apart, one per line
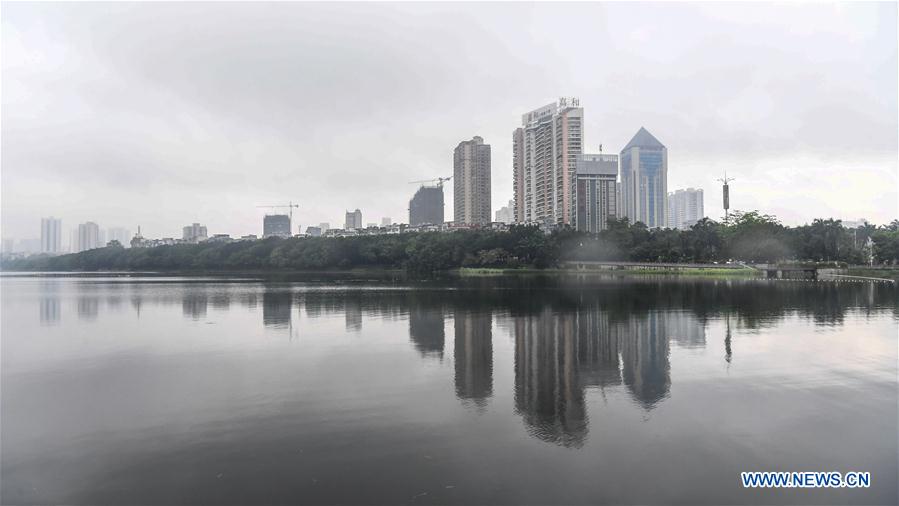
353 315
49 310
546 382
646 369
276 308
568 339
473 356
549 395
598 350
194 305
427 330
88 307
560 355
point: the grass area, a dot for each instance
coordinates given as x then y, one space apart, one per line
704 271
500 271
891 273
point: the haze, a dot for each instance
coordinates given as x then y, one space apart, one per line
164 114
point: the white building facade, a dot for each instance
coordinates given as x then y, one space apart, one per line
685 208
88 237
194 233
545 150
51 235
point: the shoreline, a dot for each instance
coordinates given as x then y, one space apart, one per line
858 273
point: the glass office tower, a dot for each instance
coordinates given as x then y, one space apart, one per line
644 180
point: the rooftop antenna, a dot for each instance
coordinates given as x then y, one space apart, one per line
726 193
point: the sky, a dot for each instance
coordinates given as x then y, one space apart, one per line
164 114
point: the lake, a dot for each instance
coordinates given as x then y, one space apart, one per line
141 389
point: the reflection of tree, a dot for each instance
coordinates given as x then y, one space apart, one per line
751 303
473 356
220 300
426 330
249 299
276 306
313 305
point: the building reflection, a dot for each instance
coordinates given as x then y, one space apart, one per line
473 356
88 307
645 357
548 390
559 355
426 330
353 314
49 310
598 350
685 329
276 308
194 305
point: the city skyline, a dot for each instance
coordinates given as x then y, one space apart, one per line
189 144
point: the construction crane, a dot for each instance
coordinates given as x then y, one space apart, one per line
290 206
439 180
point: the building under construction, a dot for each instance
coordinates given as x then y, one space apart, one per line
276 225
426 207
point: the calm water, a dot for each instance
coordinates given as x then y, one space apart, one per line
147 390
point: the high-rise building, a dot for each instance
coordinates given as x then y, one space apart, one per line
88 236
644 180
194 233
544 152
506 214
313 231
119 234
471 182
685 208
353 220
594 200
426 206
51 235
276 225
518 175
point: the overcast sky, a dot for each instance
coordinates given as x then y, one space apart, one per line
163 114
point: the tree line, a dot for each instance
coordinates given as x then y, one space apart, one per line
749 237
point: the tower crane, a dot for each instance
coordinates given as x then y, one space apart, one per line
439 180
